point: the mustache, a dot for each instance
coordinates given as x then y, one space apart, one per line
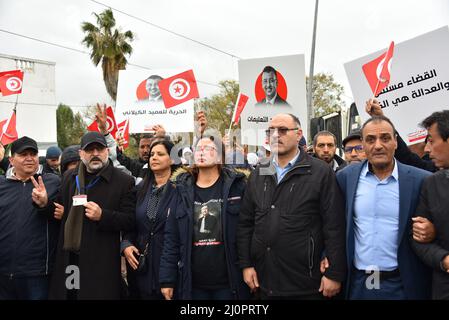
95 159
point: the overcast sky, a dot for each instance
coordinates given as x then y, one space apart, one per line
347 29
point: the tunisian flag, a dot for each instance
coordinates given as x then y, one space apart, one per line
111 125
11 82
178 89
377 71
123 129
239 106
8 131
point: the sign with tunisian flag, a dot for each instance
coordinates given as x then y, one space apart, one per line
178 89
140 100
11 82
419 83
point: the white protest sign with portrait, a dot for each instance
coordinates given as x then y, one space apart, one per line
419 83
139 99
274 85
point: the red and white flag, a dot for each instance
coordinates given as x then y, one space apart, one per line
178 89
123 130
111 125
8 130
11 82
377 71
239 106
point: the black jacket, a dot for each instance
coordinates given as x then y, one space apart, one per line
285 228
28 234
99 256
340 161
176 257
406 156
133 165
433 205
144 232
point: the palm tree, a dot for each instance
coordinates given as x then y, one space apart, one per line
109 46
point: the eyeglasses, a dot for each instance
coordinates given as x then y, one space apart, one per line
357 149
205 148
281 131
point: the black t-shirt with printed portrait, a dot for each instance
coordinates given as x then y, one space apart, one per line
209 268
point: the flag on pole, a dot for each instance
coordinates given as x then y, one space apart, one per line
8 130
178 89
377 71
11 82
123 129
111 125
239 106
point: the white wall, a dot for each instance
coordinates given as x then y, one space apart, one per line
36 108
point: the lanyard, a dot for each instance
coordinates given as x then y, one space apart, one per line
90 185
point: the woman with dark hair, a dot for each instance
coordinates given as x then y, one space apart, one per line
200 259
143 247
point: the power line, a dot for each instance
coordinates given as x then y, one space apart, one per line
85 52
167 30
42 104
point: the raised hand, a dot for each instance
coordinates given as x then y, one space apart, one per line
159 131
39 193
202 121
373 108
102 118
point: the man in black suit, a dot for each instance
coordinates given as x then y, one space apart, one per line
207 222
270 85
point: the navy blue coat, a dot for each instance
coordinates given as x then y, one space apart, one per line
175 269
148 282
414 275
28 234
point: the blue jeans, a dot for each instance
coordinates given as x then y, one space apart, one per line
25 288
218 294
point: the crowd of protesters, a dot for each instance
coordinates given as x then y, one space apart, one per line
209 221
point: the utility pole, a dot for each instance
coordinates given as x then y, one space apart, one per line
310 113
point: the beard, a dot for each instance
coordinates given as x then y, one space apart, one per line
93 167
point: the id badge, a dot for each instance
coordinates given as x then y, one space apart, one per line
79 200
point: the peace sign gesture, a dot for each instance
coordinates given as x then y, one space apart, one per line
39 194
101 116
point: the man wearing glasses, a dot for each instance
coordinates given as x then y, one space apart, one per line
292 212
353 148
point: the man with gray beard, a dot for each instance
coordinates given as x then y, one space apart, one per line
98 204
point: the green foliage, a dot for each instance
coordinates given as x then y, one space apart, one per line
70 127
109 46
326 94
219 107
